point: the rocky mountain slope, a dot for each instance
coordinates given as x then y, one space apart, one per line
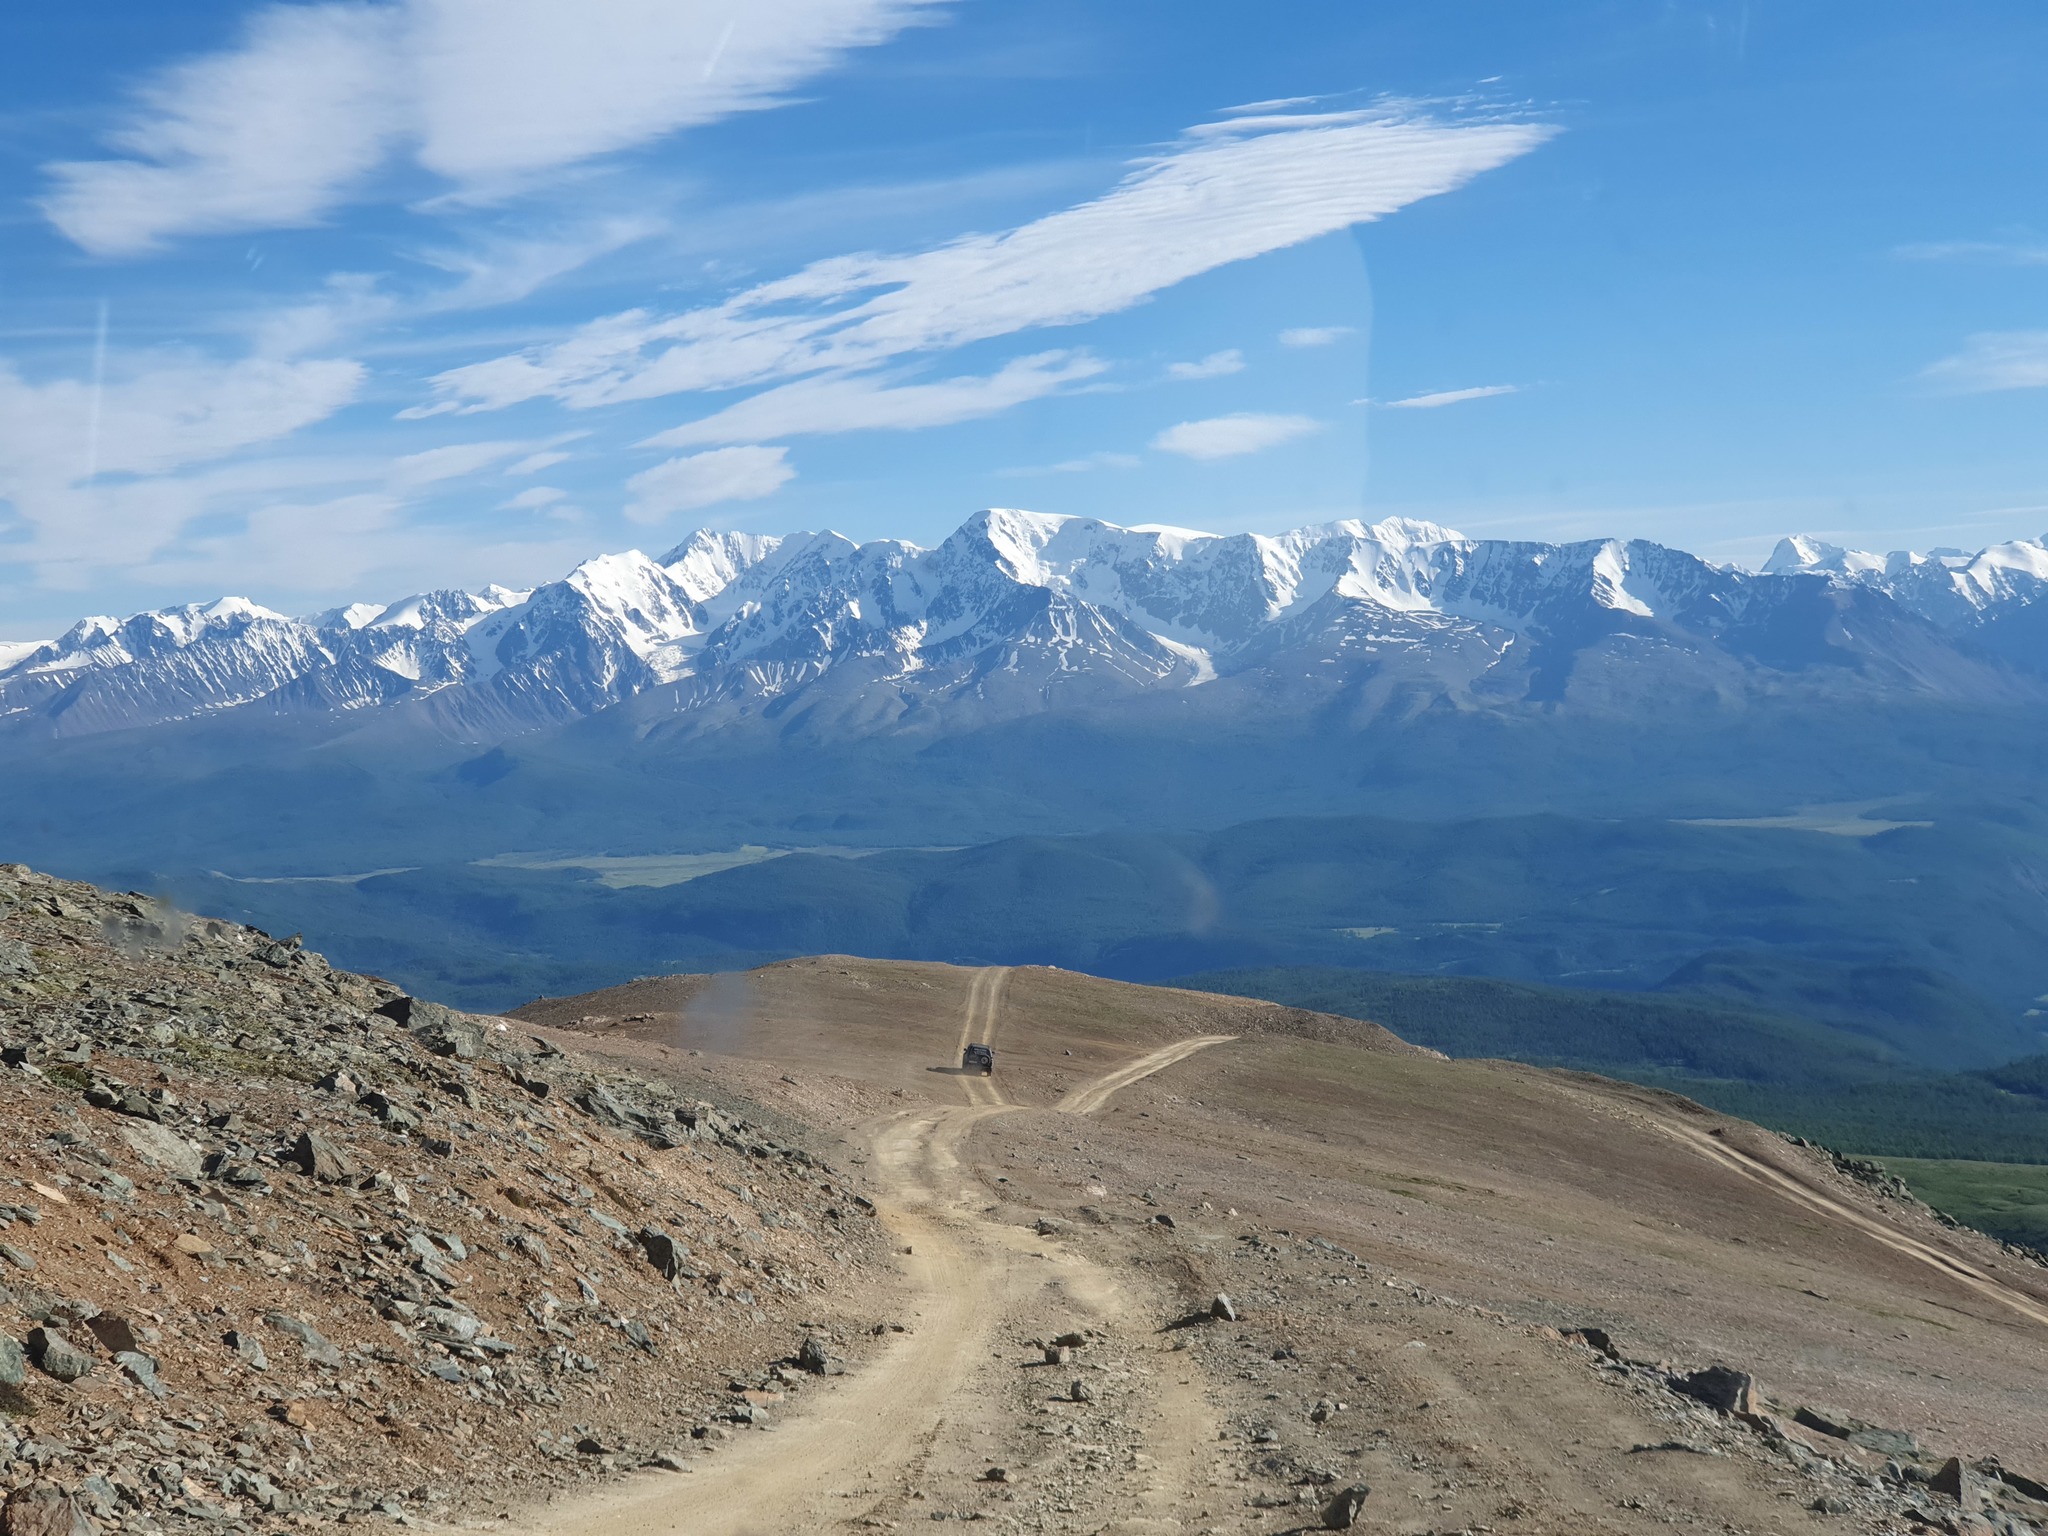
1017 612
280 1245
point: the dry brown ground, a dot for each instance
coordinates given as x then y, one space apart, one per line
1406 1237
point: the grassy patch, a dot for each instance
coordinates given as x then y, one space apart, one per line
2008 1200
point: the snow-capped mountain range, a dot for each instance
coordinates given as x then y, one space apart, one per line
1028 607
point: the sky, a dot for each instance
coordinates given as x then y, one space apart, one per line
320 302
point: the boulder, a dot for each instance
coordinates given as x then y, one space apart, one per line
1955 1480
441 1030
1342 1511
1719 1386
249 1349
1079 1391
1223 1309
161 1147
56 1356
813 1356
114 1332
141 1370
663 1251
13 1362
43 1509
321 1159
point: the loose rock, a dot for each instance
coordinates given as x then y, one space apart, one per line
42 1509
56 1356
1343 1510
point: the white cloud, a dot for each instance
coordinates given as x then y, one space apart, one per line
534 463
533 496
266 136
315 99
1994 360
1227 437
1445 397
705 479
856 403
449 462
1214 366
1314 335
157 413
506 270
1228 192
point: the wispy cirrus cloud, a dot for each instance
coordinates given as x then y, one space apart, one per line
1215 366
699 480
869 402
314 100
1229 437
1227 192
1443 397
1080 466
1315 335
1991 361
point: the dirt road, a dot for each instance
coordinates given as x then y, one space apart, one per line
1090 1097
964 1386
978 1027
1949 1264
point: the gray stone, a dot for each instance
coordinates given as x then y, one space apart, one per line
1342 1512
1720 1387
13 1362
55 1355
1058 1354
17 1257
161 1147
321 1159
142 1369
249 1349
43 1509
1223 1308
1955 1480
15 959
311 1341
114 1332
663 1251
441 1030
813 1356
1080 1392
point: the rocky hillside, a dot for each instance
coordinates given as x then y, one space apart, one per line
280 1244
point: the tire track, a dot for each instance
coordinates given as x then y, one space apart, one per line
1948 1264
1090 1097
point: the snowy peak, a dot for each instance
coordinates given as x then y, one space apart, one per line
1029 607
709 561
1948 586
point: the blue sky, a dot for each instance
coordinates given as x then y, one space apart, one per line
312 302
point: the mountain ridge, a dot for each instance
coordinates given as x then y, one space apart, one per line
1015 609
